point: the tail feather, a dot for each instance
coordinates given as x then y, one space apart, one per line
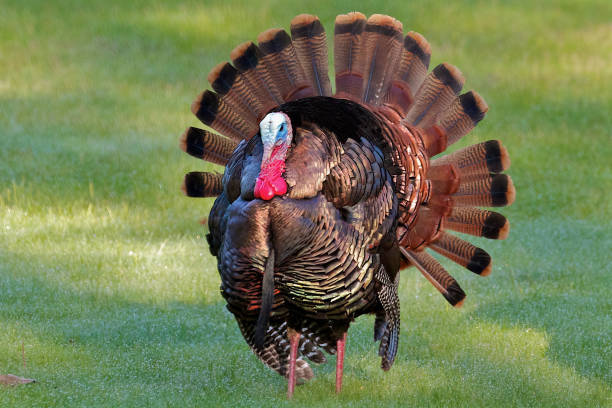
202 184
485 157
246 58
408 73
437 276
495 190
214 112
207 146
382 47
310 43
478 222
435 94
348 33
424 228
444 179
414 61
463 253
462 116
228 83
282 66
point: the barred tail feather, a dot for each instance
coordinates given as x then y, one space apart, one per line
485 157
478 222
214 112
382 47
228 82
348 33
202 184
282 68
462 116
435 95
463 253
437 275
207 146
414 61
310 45
246 58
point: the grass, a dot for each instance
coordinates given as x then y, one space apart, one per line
105 277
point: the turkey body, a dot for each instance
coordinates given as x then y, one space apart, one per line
326 196
330 234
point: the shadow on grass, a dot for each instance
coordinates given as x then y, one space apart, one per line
194 352
577 328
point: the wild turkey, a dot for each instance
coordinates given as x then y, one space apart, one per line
326 196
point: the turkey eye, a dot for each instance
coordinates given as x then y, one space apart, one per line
282 128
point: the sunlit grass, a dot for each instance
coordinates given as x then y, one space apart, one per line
105 275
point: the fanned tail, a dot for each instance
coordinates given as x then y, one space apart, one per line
423 113
456 183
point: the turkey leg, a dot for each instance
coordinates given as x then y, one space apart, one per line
340 362
294 341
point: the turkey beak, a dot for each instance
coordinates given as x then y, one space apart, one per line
265 158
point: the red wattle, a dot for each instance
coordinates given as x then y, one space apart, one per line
280 186
270 182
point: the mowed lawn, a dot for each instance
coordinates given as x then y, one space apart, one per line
106 280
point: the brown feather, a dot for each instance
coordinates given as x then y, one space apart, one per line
437 276
202 184
496 190
227 82
435 94
282 66
463 115
310 43
382 47
348 33
426 226
478 222
214 112
414 61
207 146
486 157
463 253
444 179
246 58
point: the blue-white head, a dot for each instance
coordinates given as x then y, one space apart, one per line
276 135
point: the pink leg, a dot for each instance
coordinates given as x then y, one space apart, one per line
294 341
340 362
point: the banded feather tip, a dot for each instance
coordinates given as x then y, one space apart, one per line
306 25
454 295
503 192
480 263
496 226
245 56
474 106
222 77
497 156
350 18
386 25
273 40
450 76
416 44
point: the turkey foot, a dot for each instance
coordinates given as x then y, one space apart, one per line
294 341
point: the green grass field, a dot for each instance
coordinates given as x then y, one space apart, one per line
105 277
